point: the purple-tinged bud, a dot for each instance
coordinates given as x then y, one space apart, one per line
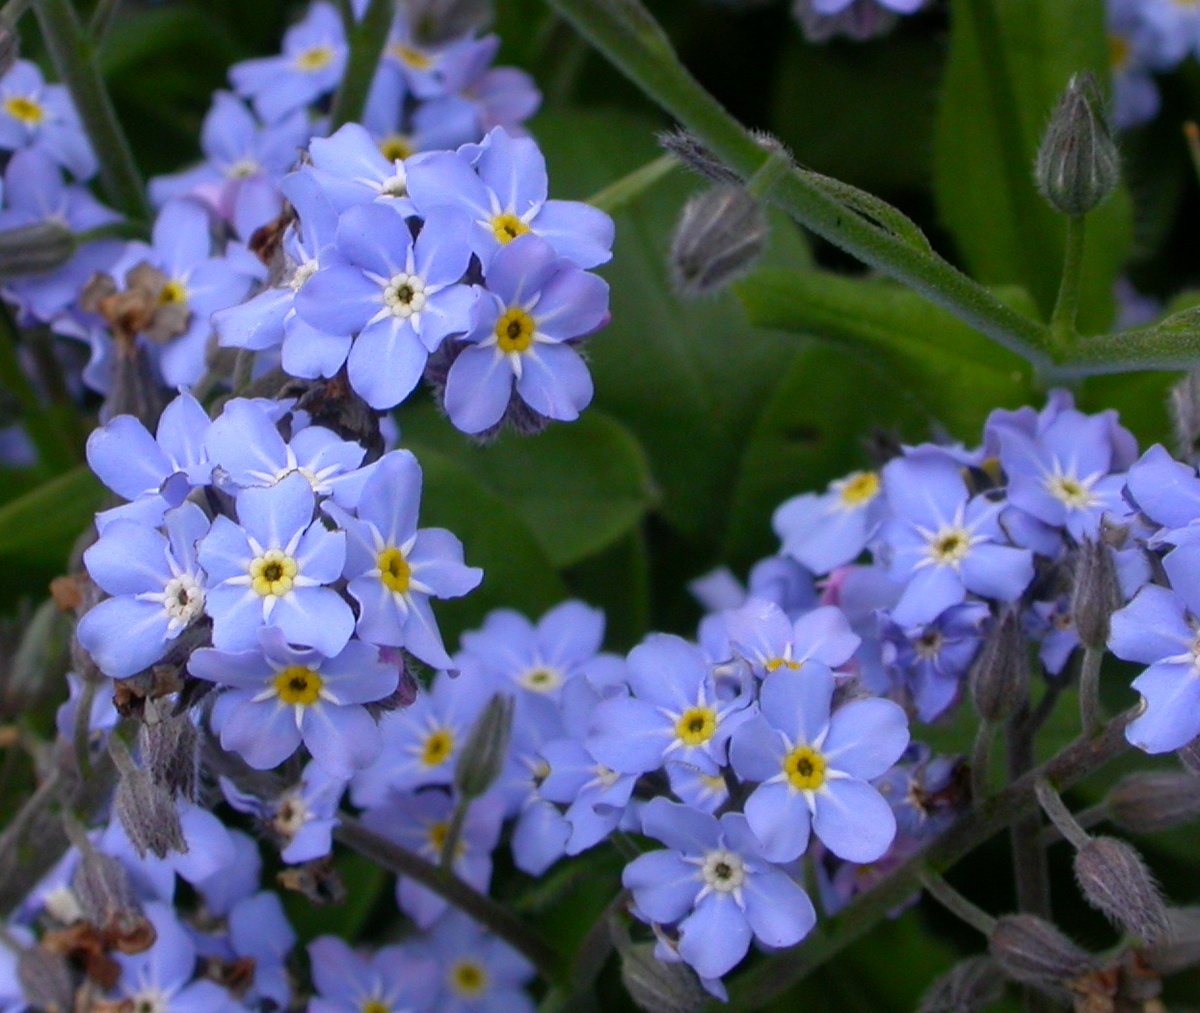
659 987
147 812
1077 164
721 233
35 249
486 748
1114 879
1154 800
970 985
106 899
170 749
46 980
1031 950
1095 593
999 678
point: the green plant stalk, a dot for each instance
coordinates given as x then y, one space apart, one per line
1089 690
366 46
628 188
11 12
957 904
75 62
491 915
775 976
1062 320
629 38
101 21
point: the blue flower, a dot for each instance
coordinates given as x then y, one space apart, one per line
394 979
824 531
34 114
717 884
761 633
282 696
273 570
301 818
157 586
401 297
393 568
534 305
351 170
480 973
814 767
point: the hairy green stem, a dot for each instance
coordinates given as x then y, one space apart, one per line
981 758
775 976
1054 807
101 21
632 41
74 60
453 832
366 46
1030 870
1062 321
619 193
491 915
1090 713
956 903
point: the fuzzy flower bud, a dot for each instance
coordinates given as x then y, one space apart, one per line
1154 800
486 748
1032 950
46 980
147 812
1114 879
720 235
170 749
999 679
1077 164
658 987
35 249
1096 593
971 985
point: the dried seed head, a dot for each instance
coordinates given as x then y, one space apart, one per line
1031 950
658 987
106 899
971 985
170 748
721 233
1154 800
148 814
1114 879
1095 593
1077 164
999 678
486 748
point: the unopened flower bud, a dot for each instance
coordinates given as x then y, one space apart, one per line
658 987
486 748
690 151
970 985
1095 594
46 980
1114 879
106 899
1077 164
1154 800
999 678
148 814
35 249
1031 950
720 235
170 748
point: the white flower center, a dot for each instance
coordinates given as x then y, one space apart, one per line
723 871
404 295
290 815
949 545
1073 493
541 679
302 273
183 600
242 168
151 1000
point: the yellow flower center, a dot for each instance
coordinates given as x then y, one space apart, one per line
411 57
394 570
468 978
1069 491
314 59
298 685
375 1006
805 768
24 109
514 330
273 572
774 664
950 546
174 291
857 489
507 227
396 147
438 747
696 726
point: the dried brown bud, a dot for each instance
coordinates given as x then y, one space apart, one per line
1095 593
1032 950
1114 879
658 987
999 678
972 984
1154 800
318 881
106 899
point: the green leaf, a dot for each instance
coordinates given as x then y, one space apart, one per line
516 572
983 179
42 525
687 378
578 486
